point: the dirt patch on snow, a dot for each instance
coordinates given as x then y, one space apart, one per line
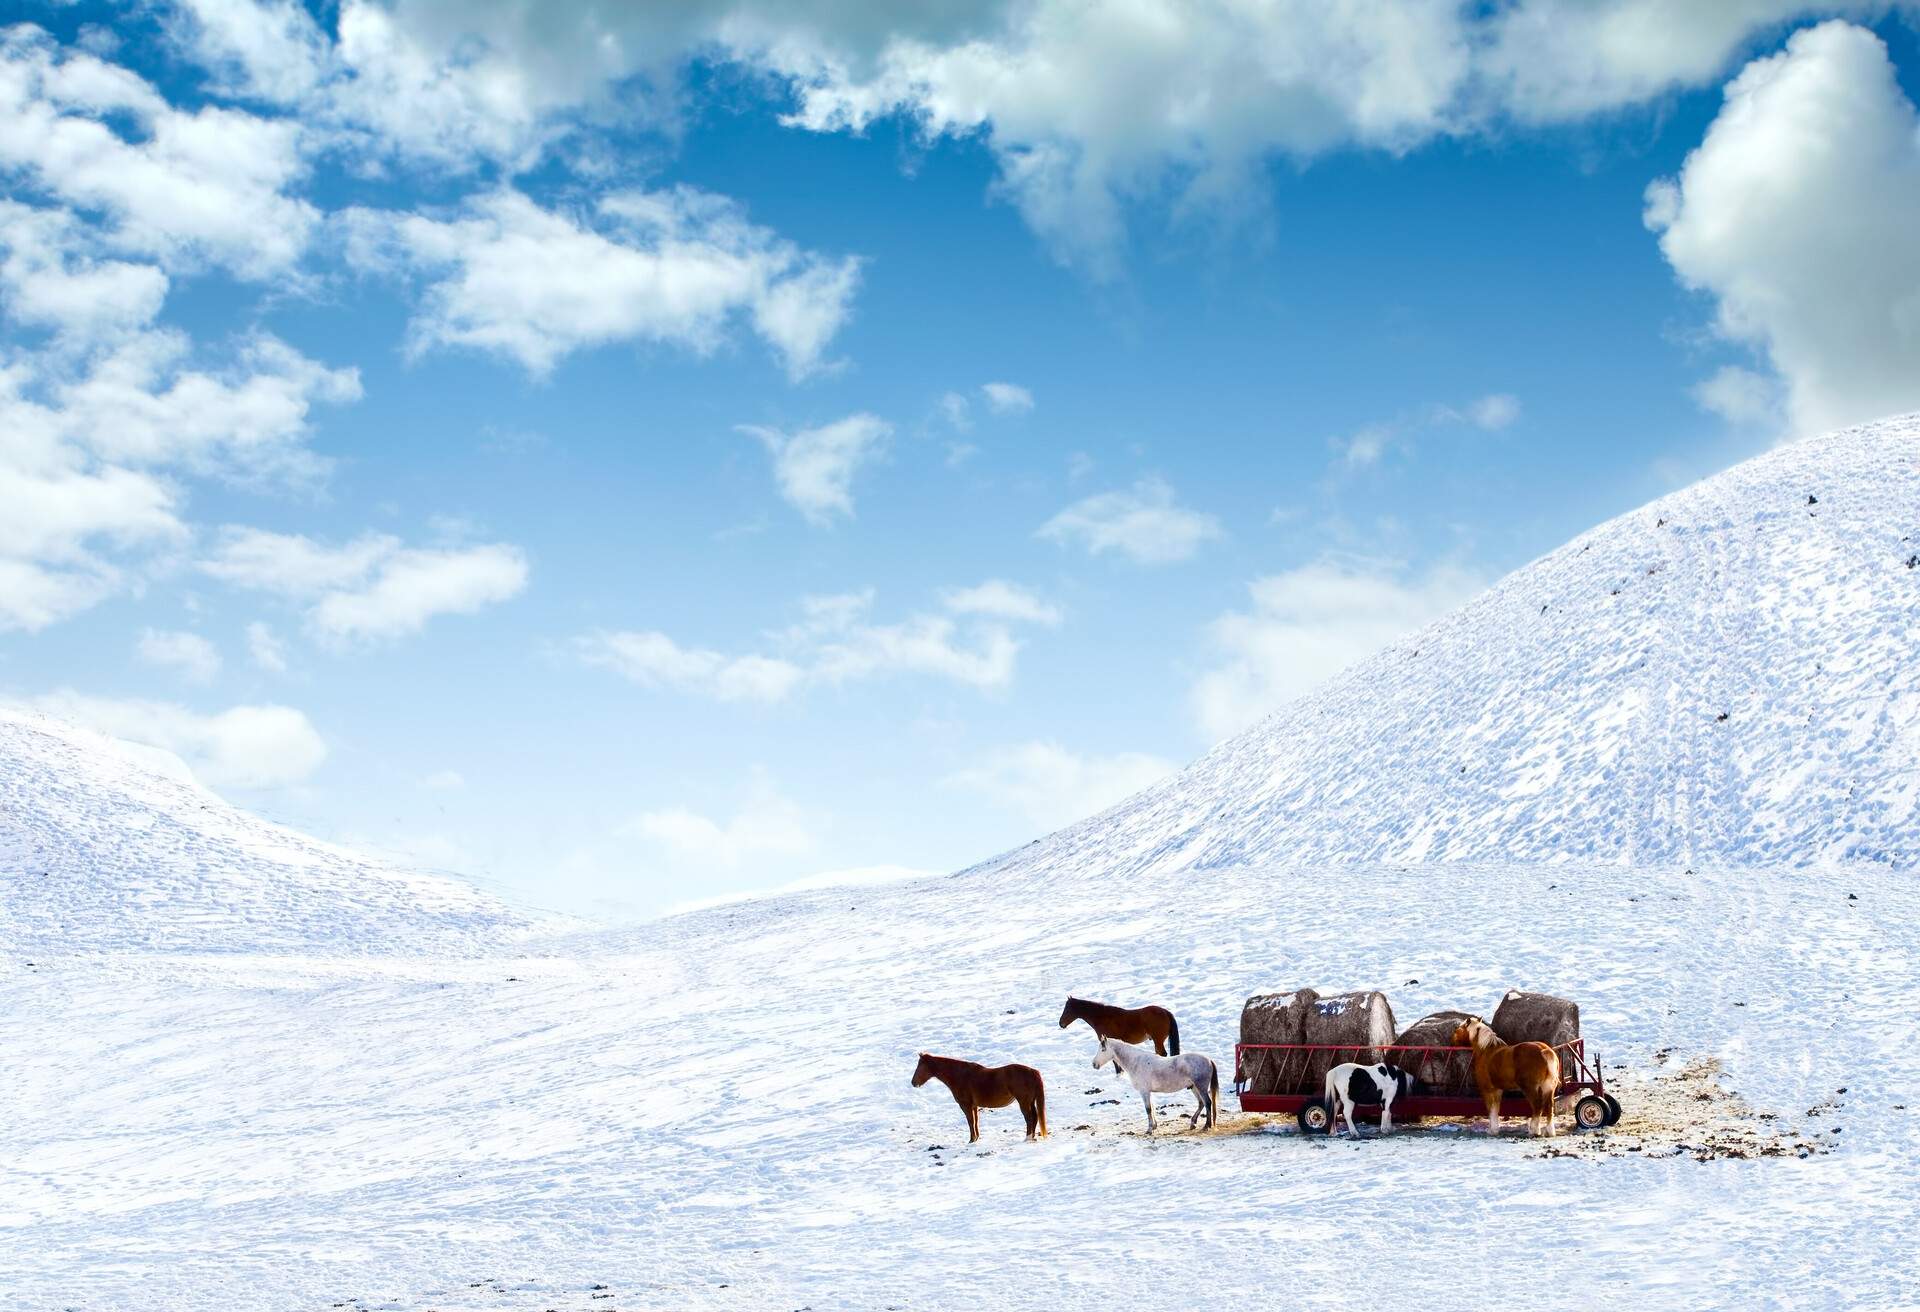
1686 1110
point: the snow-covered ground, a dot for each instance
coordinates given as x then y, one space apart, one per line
715 1110
246 1070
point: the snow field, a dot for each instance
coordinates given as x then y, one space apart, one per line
723 1099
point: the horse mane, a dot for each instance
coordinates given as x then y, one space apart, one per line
1481 1036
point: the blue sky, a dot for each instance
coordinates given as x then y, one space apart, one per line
637 459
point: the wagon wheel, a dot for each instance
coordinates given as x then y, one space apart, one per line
1592 1113
1315 1117
1613 1109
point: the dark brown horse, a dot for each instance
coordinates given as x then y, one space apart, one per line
1127 1024
975 1086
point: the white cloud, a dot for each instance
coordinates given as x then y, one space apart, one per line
1144 523
1797 214
769 825
56 503
922 644
1004 600
654 660
1307 624
1086 109
1083 112
955 409
412 586
33 596
372 587
268 50
677 267
52 275
182 187
140 404
291 564
837 642
1367 445
1495 411
1007 398
451 88
814 468
192 655
244 747
90 445
1052 786
1550 61
1741 397
444 781
265 648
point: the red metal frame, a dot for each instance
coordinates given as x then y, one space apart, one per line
1447 1070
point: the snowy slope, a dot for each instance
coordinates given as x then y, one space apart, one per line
714 1110
108 847
1727 675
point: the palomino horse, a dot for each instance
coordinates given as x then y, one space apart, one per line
974 1086
1531 1068
1128 1024
1153 1074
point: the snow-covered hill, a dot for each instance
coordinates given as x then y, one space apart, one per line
209 1104
108 847
1728 675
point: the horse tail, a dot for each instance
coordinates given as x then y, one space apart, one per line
1173 1035
1040 1097
1213 1093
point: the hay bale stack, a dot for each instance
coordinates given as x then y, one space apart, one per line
1272 1018
1538 1018
1449 1073
1360 1023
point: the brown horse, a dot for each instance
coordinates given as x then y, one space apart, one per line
1127 1024
975 1086
1531 1068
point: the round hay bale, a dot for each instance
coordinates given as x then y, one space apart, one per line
1538 1018
1448 1073
1272 1018
1360 1023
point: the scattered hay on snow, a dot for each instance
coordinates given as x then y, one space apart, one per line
1685 1112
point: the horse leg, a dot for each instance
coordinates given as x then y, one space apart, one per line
1146 1096
973 1122
1493 1113
1386 1115
1033 1116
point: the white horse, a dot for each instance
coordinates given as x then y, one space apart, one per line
1152 1073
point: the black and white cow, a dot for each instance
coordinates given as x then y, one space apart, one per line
1353 1083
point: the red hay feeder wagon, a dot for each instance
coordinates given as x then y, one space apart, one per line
1291 1079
